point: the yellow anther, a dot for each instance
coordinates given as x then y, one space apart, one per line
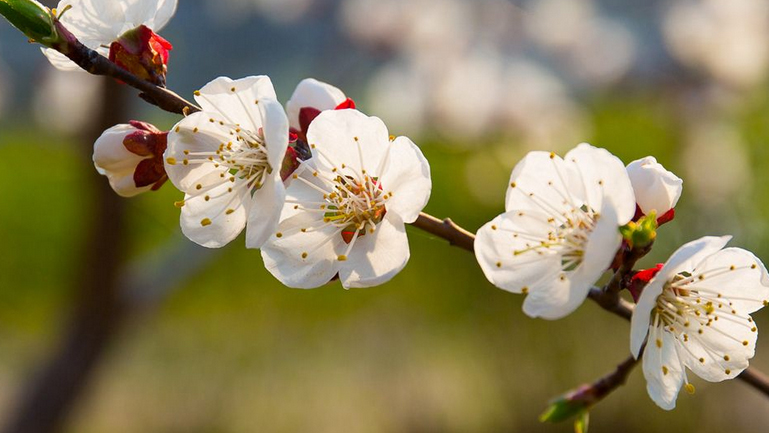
179 203
689 388
196 93
664 370
205 222
171 161
229 211
341 258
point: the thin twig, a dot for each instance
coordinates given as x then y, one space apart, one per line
458 236
96 64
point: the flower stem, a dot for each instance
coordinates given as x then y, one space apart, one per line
96 64
459 237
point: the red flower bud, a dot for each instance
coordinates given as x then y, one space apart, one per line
151 142
143 53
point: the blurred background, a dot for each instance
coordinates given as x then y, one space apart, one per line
208 341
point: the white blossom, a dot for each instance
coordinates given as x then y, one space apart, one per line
655 188
346 207
97 23
696 313
560 229
227 159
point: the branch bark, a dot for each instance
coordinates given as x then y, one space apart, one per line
458 236
165 99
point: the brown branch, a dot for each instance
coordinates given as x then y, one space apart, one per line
446 229
458 236
96 64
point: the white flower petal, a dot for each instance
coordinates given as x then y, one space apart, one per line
312 93
236 100
214 216
683 259
59 60
349 138
193 134
542 181
99 22
377 257
605 178
737 275
722 350
407 176
564 295
275 130
655 187
303 259
264 213
495 246
155 14
662 369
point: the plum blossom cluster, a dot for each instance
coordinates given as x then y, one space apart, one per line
324 191
570 220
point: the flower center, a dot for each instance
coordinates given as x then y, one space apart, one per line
247 158
569 238
355 206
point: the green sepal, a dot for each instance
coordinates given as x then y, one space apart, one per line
582 422
562 409
640 234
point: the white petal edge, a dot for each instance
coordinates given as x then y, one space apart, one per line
376 258
264 212
406 174
238 106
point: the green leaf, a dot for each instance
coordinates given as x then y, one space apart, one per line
30 17
581 423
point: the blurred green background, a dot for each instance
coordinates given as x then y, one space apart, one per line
438 348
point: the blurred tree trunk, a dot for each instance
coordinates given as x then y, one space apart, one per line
50 395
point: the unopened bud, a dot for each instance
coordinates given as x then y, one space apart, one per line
568 405
143 53
131 156
31 18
